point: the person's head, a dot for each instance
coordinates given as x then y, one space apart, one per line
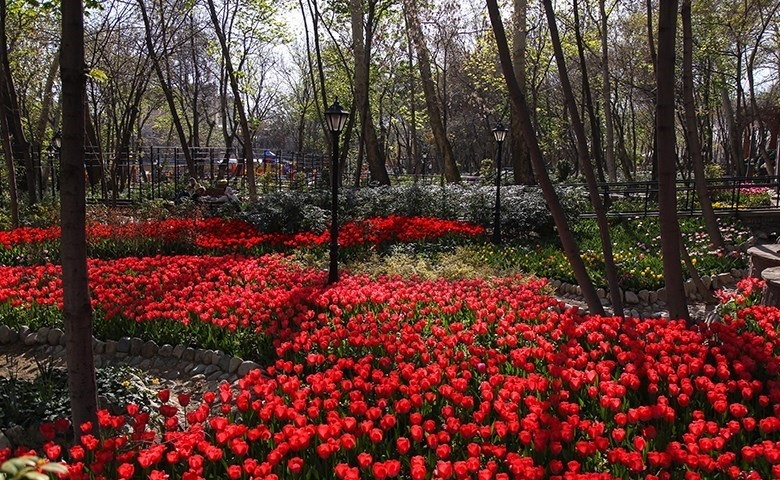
222 183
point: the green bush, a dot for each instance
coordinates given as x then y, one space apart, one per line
287 212
29 402
523 209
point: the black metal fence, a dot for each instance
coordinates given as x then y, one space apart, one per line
728 194
162 172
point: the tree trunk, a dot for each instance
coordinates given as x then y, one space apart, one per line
8 153
246 133
451 173
769 161
732 142
667 201
166 88
606 91
650 31
43 119
12 113
523 171
414 163
616 296
556 210
77 309
361 46
694 146
595 125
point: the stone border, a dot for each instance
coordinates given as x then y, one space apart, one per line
177 362
651 301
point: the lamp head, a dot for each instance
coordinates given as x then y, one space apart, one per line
499 133
336 117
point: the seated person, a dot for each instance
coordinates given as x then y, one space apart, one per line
221 193
193 191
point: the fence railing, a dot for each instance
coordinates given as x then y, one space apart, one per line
162 172
728 194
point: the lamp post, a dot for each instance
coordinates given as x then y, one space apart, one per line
56 145
499 133
335 117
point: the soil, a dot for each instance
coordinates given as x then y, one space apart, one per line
25 363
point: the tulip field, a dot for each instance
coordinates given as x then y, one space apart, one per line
384 377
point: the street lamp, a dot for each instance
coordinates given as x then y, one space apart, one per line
335 117
499 133
54 148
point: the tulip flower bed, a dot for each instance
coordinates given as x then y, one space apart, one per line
393 378
217 235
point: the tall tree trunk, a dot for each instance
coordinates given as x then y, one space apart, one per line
757 115
615 295
43 119
694 145
8 153
166 88
12 112
650 32
5 132
451 173
553 202
196 118
521 161
606 92
414 164
667 192
77 309
732 142
595 125
361 47
246 133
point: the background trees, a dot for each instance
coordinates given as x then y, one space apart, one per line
171 83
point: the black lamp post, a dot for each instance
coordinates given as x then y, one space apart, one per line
499 133
335 117
54 148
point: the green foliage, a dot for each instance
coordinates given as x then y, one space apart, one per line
287 212
28 403
245 343
34 317
487 172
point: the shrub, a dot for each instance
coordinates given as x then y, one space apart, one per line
523 208
287 212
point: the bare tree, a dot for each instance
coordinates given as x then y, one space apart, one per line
443 145
587 166
692 130
11 110
606 93
362 42
553 202
166 87
521 161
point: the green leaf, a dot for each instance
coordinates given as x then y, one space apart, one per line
98 75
